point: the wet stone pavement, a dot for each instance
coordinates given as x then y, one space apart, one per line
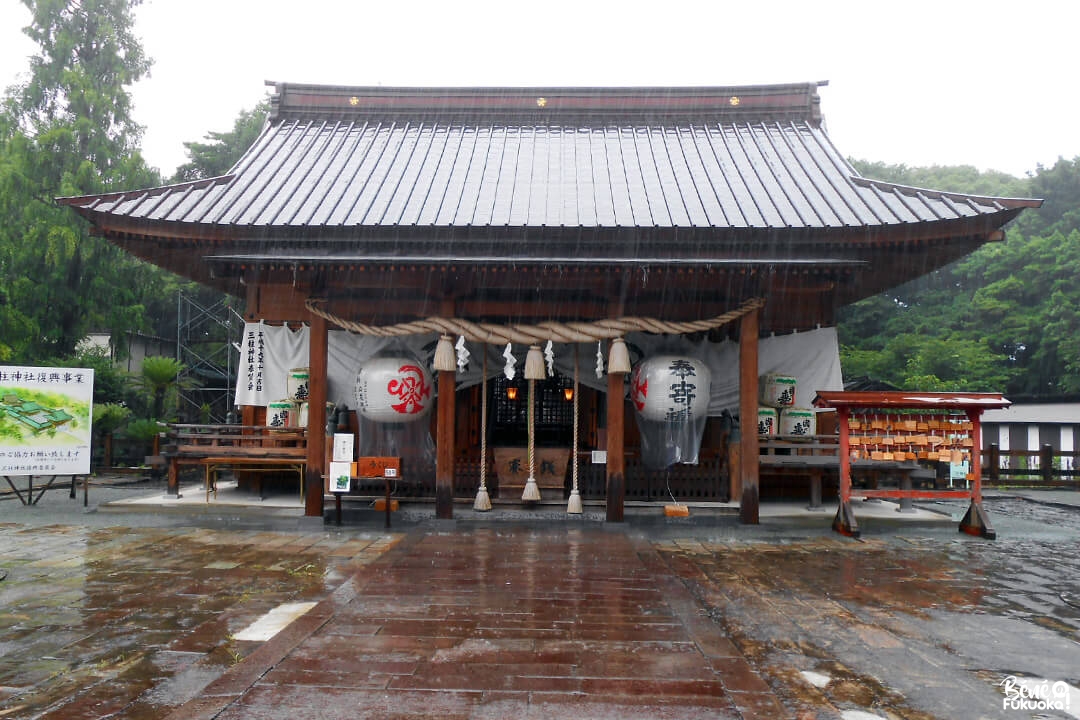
143 615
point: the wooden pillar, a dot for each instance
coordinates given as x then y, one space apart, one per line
975 418
316 429
748 408
444 447
975 520
445 432
616 453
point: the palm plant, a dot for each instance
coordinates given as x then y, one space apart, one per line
161 376
108 418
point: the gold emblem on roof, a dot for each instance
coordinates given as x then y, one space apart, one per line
734 101
541 102
354 100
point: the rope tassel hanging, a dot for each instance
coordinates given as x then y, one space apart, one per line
483 502
573 506
534 370
618 357
444 355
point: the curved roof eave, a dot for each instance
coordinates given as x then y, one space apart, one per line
725 160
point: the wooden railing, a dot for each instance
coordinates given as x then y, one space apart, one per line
1045 466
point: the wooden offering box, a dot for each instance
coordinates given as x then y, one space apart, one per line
549 467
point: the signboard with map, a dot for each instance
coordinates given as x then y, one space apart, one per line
45 420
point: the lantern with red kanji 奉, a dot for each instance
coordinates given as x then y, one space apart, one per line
671 399
393 390
668 388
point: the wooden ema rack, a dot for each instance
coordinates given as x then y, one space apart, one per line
896 431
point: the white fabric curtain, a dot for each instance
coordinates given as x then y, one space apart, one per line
269 352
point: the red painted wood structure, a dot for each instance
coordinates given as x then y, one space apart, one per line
525 206
894 431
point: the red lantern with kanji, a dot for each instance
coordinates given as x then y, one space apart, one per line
394 390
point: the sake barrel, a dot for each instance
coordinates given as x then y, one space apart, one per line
670 388
297 384
303 413
282 414
766 421
777 390
798 421
393 390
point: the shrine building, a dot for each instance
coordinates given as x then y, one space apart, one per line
527 253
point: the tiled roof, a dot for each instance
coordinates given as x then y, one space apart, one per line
723 158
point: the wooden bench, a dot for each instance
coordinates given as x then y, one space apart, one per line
252 448
809 456
812 456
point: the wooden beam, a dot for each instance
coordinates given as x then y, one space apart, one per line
277 302
748 408
316 429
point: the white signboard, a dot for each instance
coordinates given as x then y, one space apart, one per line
340 477
45 417
343 447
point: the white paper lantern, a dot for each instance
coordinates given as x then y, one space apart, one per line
669 388
393 389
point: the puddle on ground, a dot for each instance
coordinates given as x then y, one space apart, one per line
102 620
899 624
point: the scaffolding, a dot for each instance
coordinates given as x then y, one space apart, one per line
207 343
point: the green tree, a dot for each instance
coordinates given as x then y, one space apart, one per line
222 150
1006 317
68 131
1059 187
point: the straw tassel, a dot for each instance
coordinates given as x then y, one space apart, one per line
573 506
483 502
618 357
534 364
534 370
532 490
445 359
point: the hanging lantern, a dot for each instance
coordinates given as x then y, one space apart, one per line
669 388
393 390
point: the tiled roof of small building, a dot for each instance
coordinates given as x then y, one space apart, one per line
339 158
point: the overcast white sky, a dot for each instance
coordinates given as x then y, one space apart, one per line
989 83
